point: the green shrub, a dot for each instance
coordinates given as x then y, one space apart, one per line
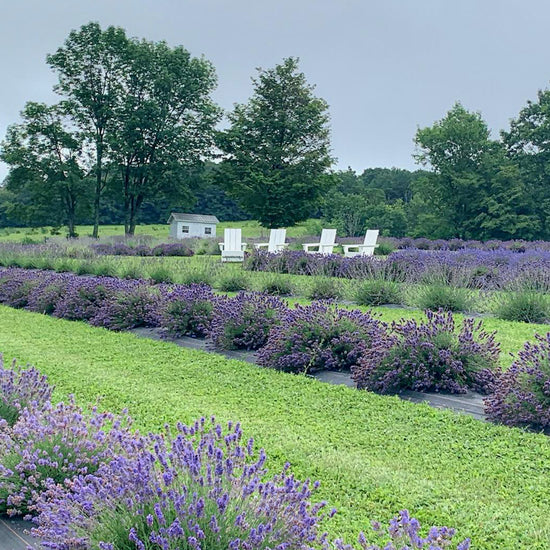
104 269
277 286
377 292
524 306
131 271
233 282
161 274
62 266
199 276
324 288
384 249
448 298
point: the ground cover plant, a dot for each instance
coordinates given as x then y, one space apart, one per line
204 485
430 356
373 454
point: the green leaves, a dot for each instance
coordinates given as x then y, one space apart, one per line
277 148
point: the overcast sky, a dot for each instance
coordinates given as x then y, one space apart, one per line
385 67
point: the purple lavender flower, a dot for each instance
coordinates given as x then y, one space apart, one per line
244 322
218 497
320 336
522 393
431 356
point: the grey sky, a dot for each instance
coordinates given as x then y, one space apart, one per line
385 67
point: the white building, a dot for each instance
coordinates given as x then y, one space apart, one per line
183 226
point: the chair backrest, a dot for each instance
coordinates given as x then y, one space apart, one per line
371 237
276 237
232 239
328 236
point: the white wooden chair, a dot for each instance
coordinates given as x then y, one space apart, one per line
232 247
325 245
365 249
276 242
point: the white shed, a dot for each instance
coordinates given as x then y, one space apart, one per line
183 226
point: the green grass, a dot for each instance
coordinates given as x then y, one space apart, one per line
250 229
373 454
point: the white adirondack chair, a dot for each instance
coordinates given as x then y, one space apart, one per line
276 242
325 245
232 247
365 249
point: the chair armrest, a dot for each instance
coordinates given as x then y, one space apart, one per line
346 247
260 245
307 246
281 246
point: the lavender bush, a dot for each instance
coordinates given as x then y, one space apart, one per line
320 336
55 445
129 308
187 310
468 268
244 322
522 393
431 356
84 296
404 534
200 489
21 387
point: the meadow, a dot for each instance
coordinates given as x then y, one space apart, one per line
374 454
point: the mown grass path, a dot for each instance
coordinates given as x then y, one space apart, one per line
374 455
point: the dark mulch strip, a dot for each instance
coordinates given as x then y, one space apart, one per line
13 534
470 403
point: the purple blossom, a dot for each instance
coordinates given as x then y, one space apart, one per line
431 356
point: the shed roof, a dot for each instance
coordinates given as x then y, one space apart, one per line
197 218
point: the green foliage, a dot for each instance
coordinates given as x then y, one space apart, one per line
277 149
357 444
277 285
439 296
233 282
377 292
161 274
525 306
324 288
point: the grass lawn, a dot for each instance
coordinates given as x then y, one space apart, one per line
374 455
251 229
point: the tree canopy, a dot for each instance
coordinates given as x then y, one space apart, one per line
277 149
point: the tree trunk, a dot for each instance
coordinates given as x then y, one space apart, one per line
98 188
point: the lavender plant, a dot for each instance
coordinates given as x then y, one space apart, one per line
21 387
202 488
320 336
522 393
55 445
244 322
186 310
404 534
129 308
431 356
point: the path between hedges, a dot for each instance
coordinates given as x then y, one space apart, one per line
470 403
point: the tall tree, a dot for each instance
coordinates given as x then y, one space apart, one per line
528 144
90 67
46 160
277 149
165 124
455 148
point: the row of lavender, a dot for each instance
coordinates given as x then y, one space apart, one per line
431 355
476 269
88 480
420 243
